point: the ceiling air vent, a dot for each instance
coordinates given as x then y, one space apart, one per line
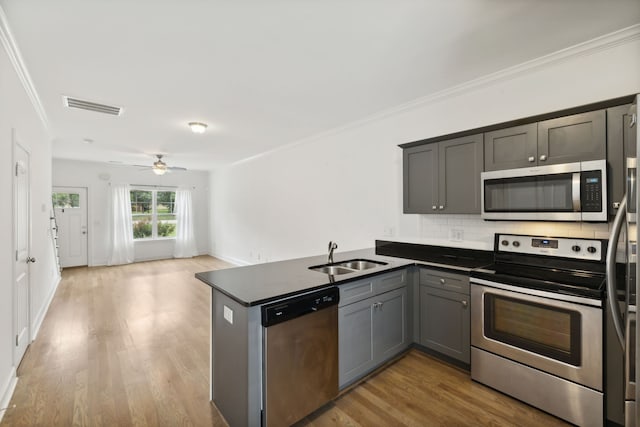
91 106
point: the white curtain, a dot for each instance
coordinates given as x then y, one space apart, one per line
185 246
121 244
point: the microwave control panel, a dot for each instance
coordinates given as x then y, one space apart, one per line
591 191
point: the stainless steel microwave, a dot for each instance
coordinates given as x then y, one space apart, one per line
563 192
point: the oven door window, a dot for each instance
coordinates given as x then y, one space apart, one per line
545 330
544 193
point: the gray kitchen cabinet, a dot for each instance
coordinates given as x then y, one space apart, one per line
443 177
389 324
510 148
420 176
445 321
567 139
572 138
355 348
371 330
621 143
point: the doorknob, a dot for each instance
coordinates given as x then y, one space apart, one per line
84 232
30 259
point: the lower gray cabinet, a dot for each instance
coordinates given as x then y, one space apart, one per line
389 324
445 321
355 348
371 331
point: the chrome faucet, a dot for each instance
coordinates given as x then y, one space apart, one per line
332 247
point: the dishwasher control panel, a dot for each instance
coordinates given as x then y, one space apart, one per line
288 309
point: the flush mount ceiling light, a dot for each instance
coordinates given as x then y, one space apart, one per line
198 127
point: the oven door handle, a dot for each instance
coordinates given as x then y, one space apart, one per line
612 293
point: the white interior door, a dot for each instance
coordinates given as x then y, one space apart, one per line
22 239
70 205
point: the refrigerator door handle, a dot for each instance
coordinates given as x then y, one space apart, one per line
612 293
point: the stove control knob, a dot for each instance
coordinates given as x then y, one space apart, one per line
505 243
591 250
575 248
516 243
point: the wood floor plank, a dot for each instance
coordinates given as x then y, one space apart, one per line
129 346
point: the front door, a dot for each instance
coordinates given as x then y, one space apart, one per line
22 239
70 204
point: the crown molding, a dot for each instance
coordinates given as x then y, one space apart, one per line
589 47
10 46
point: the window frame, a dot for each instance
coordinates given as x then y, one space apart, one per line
154 213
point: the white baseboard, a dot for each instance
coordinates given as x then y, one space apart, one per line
37 322
6 391
232 260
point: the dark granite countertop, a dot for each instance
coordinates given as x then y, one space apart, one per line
445 256
261 283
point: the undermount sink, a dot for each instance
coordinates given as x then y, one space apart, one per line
345 267
331 269
361 264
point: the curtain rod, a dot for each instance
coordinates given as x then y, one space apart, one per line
157 186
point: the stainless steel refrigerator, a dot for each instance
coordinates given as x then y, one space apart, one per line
622 297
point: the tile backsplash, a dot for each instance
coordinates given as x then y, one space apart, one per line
460 228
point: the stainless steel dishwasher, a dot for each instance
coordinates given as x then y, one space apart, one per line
300 356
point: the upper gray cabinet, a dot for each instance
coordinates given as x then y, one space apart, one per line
510 148
566 139
573 138
621 144
443 177
420 175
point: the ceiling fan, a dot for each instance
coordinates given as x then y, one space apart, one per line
160 168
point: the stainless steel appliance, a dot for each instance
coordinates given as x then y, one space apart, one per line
300 356
537 324
624 319
563 192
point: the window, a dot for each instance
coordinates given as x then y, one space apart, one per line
66 200
153 214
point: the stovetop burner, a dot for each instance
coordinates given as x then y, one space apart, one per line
579 283
562 265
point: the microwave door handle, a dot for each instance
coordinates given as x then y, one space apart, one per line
612 293
575 191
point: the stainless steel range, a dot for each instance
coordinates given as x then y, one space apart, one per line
537 324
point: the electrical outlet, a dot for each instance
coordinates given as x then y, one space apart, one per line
228 314
389 231
456 235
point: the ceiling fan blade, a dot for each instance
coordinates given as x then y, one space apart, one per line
176 168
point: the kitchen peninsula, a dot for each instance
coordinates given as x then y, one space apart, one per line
239 294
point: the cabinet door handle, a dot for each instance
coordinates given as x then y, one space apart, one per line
633 121
531 159
442 281
543 157
464 303
441 207
434 207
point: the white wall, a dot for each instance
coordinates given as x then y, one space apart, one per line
73 173
18 114
346 185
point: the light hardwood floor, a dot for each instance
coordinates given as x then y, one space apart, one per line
129 345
